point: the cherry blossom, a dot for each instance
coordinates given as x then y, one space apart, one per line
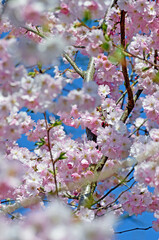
88 64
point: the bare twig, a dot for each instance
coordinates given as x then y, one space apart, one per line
147 61
112 189
137 128
128 111
123 95
120 195
133 229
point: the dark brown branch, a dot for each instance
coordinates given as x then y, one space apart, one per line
113 202
91 136
156 58
114 3
122 28
130 103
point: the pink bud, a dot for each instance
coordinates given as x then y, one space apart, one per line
85 163
75 176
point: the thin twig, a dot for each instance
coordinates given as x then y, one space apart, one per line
129 54
113 202
137 128
108 205
123 95
128 111
84 25
68 58
74 65
33 31
112 189
51 156
133 229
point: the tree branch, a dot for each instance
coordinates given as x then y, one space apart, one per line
155 58
89 74
74 65
130 103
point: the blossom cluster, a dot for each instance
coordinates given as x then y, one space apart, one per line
116 102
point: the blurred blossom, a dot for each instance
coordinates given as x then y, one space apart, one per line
56 222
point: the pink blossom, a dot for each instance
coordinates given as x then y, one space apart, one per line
156 225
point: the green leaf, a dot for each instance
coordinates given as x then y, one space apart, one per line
87 16
104 27
40 143
39 65
117 57
105 46
50 171
156 78
89 202
107 38
127 45
62 156
31 74
145 69
56 123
